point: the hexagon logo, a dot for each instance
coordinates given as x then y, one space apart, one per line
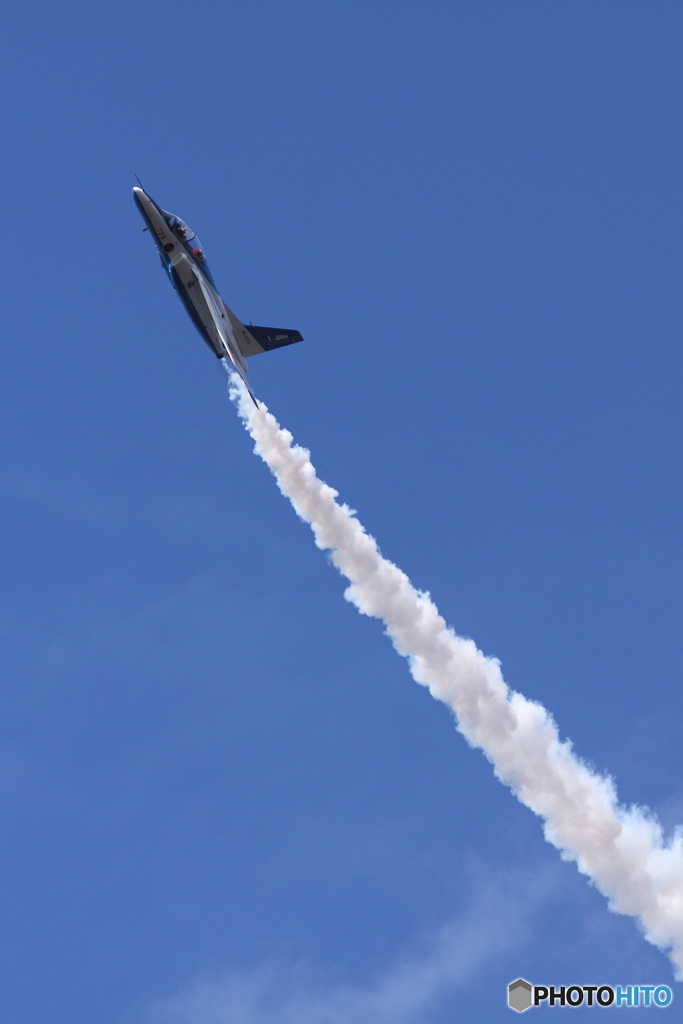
519 995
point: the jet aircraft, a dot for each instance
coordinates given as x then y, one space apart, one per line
182 257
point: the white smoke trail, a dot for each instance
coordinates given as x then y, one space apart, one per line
622 850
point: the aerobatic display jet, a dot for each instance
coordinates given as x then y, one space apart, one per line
182 257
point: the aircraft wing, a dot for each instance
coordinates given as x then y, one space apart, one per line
223 330
232 352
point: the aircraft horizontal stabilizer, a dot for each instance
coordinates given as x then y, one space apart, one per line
272 337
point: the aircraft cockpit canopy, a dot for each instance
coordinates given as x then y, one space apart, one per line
185 233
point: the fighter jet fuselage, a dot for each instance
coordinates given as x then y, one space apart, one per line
183 258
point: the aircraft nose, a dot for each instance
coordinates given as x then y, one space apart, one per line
142 200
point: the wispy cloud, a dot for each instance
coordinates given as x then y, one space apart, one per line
495 921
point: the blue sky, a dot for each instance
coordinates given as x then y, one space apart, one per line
223 799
